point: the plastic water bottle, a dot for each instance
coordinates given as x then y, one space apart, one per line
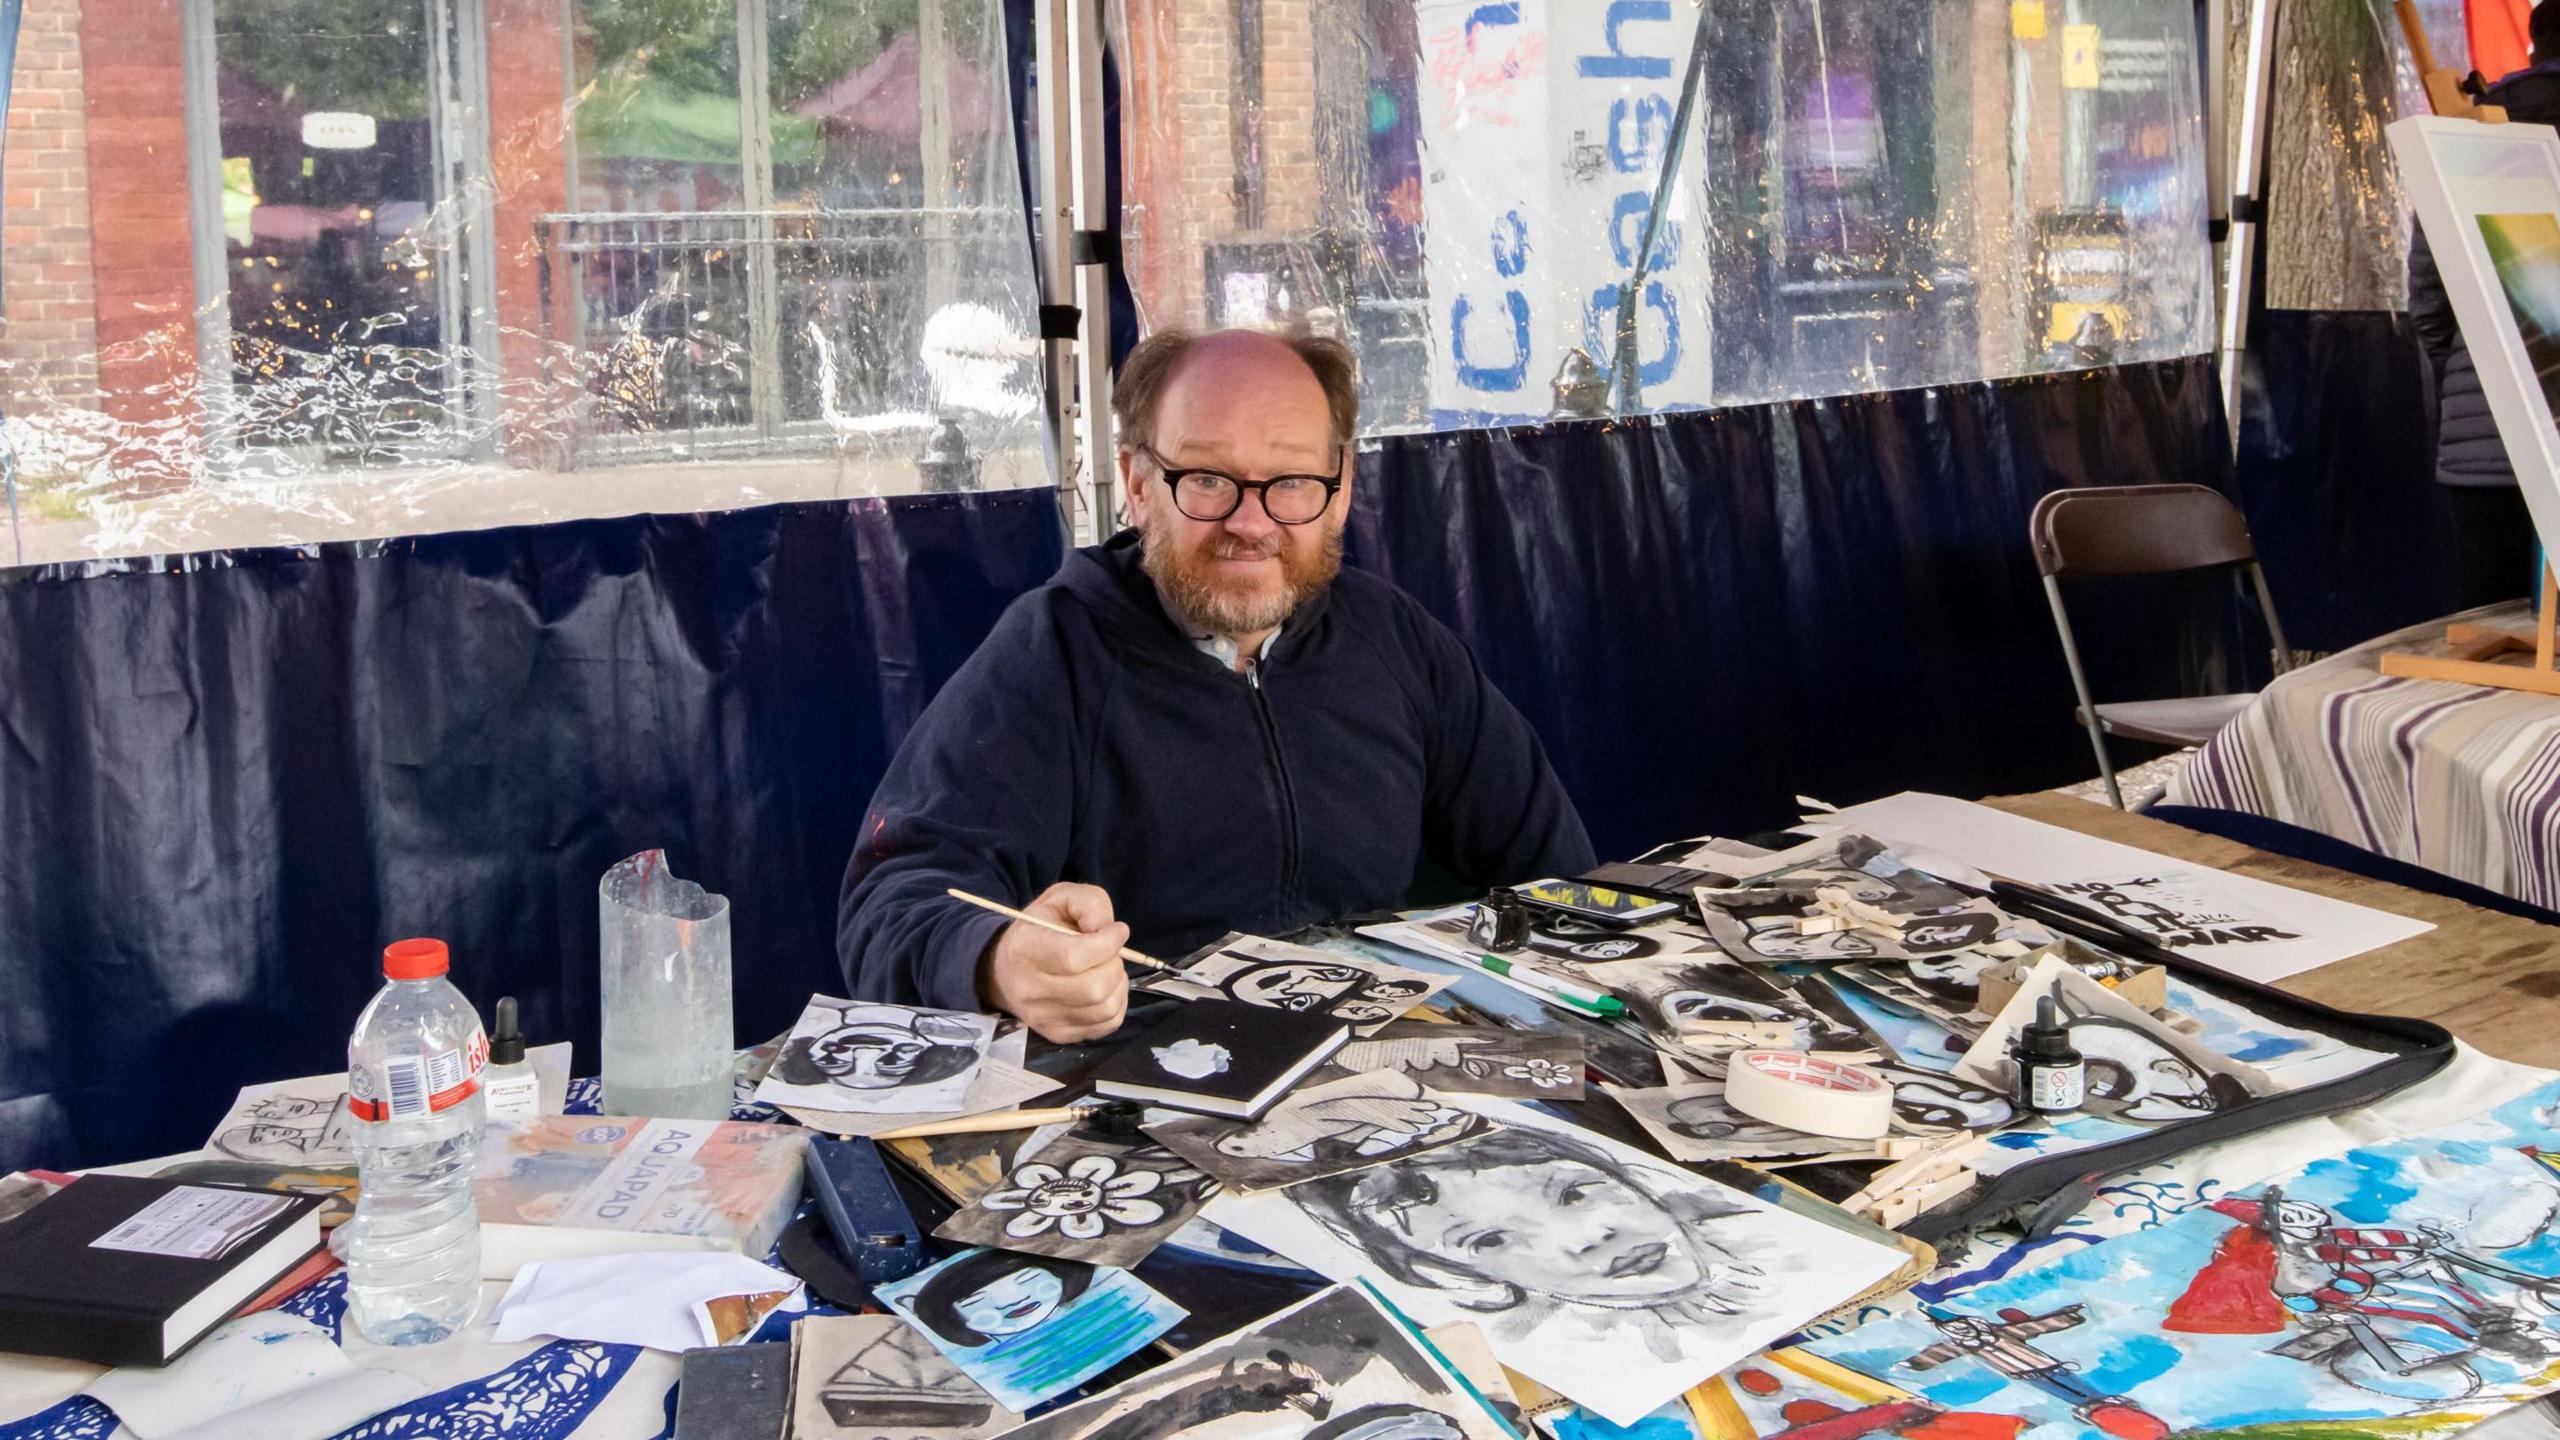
413 1088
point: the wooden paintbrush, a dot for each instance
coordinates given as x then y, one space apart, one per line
983 903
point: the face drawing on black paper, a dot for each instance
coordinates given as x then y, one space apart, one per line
1949 932
1346 992
880 1047
1778 940
1926 1100
1951 980
1528 1224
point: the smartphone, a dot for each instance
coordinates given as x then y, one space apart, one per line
1596 903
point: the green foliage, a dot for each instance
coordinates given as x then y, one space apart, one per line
368 56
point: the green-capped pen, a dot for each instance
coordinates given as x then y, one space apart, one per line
1565 992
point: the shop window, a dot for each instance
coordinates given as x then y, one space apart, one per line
1870 195
293 270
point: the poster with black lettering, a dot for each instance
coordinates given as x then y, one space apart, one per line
2177 908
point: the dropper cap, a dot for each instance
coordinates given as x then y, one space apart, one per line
2047 1038
507 1046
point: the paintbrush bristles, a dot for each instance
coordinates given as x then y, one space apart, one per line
983 903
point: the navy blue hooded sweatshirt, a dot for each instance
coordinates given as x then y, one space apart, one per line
1088 740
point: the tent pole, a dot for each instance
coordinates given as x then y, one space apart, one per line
1098 231
2248 203
1051 89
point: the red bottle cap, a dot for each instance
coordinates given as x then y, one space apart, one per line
419 959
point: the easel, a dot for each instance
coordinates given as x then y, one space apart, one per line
2478 650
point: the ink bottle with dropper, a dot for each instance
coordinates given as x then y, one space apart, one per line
513 1091
2052 1079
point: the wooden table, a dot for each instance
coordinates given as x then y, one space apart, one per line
2492 979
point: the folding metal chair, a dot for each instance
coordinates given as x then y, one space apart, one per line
2129 530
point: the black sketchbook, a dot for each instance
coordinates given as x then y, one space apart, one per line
124 1270
1220 1057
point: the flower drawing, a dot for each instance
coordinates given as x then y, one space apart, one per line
1092 1194
1545 1074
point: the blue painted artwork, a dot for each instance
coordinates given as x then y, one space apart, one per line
1028 1327
2417 1281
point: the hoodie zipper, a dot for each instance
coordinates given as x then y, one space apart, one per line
1288 798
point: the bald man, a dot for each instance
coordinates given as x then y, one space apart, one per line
1203 724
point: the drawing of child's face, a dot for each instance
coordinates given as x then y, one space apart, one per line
2153 1081
1011 1304
1558 1227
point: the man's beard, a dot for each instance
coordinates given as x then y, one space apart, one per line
1187 577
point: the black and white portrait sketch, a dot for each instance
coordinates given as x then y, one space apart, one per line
1594 1268
281 1128
897 1058
1930 1102
1279 976
1331 1368
1322 1130
1763 930
2139 1070
1693 1123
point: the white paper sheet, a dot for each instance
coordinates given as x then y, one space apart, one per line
2233 911
641 1299
1599 1271
269 1376
304 1122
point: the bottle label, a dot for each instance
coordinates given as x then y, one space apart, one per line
407 1086
516 1097
2056 1087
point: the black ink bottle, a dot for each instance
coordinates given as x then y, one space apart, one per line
1501 924
2051 1078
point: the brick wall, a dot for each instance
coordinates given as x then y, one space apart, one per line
528 170
143 262
1179 140
48 301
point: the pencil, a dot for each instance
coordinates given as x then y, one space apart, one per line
983 903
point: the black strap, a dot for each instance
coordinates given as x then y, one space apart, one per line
1094 247
1059 322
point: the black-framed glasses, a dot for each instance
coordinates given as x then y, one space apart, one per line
1213 495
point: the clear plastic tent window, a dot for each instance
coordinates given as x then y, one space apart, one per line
297 270
1867 195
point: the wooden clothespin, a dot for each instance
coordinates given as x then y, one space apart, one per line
1911 1186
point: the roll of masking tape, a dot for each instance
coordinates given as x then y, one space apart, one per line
1810 1093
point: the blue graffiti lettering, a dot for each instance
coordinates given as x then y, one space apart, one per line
1496 378
1650 118
1617 64
1634 205
1502 12
1600 328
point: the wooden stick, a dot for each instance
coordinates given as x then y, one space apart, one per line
996 1120
983 903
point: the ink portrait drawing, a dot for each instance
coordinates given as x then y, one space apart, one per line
1026 1327
897 1058
1603 1273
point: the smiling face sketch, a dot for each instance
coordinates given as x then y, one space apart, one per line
1708 1117
1012 1303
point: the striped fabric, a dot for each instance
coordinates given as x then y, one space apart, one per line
2462 780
